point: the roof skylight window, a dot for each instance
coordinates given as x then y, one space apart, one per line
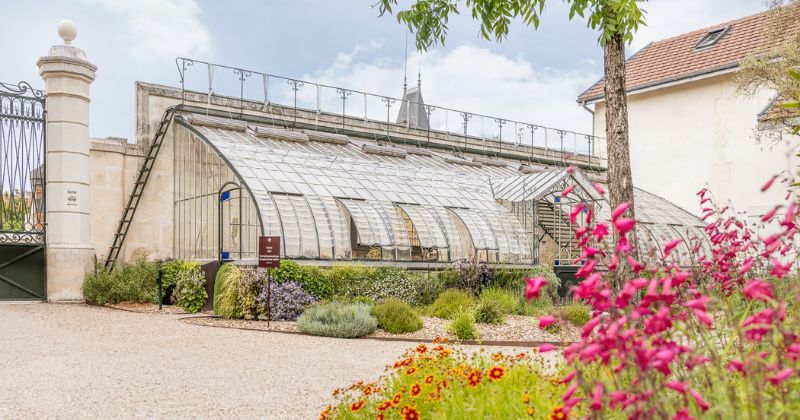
711 38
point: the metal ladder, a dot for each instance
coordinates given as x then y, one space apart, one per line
138 188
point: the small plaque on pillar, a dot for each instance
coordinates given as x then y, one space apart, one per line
72 198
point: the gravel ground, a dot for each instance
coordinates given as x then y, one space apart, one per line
77 361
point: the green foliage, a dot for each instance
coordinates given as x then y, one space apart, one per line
339 320
126 283
428 286
170 270
490 311
428 19
190 289
315 281
462 324
397 317
510 302
449 302
287 271
576 313
378 284
513 279
536 307
225 285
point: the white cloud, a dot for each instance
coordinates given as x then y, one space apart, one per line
473 79
160 28
667 18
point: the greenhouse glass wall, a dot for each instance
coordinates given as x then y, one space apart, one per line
335 197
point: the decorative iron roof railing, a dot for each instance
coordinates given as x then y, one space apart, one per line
254 86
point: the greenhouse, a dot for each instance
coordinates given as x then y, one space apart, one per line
332 196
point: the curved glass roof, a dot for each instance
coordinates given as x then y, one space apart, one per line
326 199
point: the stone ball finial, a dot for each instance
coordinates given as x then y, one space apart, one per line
67 30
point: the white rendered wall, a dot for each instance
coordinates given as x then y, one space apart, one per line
702 132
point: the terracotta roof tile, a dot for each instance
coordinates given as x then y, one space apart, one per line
676 58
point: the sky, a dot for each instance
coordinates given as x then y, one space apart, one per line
532 76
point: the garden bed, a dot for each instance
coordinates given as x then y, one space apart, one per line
517 329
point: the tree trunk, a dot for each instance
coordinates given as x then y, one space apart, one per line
620 181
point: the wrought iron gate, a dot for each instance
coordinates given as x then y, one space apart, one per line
22 189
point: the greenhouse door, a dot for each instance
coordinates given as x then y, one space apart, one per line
22 188
230 222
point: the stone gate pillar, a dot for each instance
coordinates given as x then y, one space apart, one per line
67 75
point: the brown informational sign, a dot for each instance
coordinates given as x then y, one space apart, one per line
269 251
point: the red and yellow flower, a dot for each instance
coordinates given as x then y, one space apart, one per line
558 414
410 371
357 405
474 378
396 399
385 405
496 373
416 389
429 379
526 398
410 412
422 348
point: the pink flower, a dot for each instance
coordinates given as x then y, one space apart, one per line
768 183
622 208
544 348
570 169
781 376
779 270
614 263
570 376
635 266
623 245
600 231
599 188
677 386
597 397
534 287
545 321
624 225
670 246
703 317
770 214
568 190
683 414
747 265
573 214
757 289
736 365
699 400
699 303
590 352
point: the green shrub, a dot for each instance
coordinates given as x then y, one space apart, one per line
463 324
576 313
315 281
227 279
170 271
536 307
397 317
427 286
449 302
339 320
190 290
378 284
509 301
97 285
287 271
489 311
513 279
126 283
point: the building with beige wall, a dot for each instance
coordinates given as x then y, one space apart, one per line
689 124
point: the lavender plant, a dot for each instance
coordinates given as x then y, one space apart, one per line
288 300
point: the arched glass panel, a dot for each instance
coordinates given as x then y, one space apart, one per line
478 228
428 230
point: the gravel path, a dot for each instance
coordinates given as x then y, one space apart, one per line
77 361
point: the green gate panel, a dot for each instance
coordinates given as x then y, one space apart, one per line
22 272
